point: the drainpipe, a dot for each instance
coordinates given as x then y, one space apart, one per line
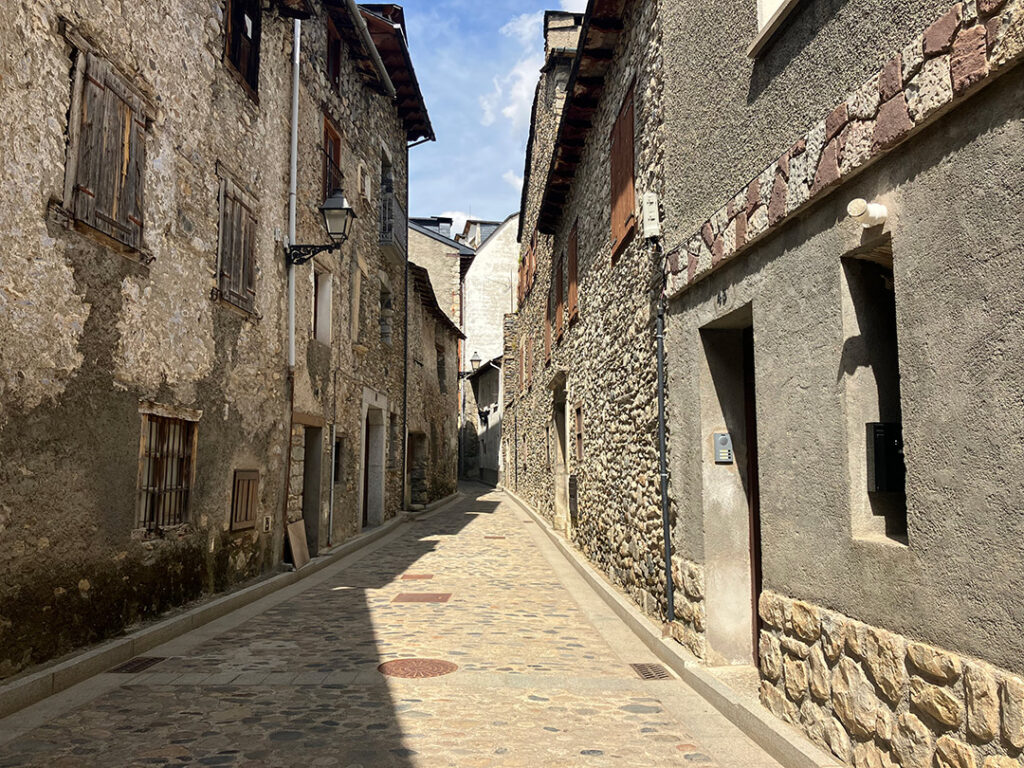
405 385
292 184
663 462
334 463
371 47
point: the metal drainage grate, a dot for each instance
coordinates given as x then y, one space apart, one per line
651 671
417 668
138 664
422 597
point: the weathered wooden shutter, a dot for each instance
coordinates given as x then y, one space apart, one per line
558 299
573 289
622 181
237 277
547 330
529 361
112 156
243 39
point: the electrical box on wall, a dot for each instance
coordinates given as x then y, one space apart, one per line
886 469
722 445
651 216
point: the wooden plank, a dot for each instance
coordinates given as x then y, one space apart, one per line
297 543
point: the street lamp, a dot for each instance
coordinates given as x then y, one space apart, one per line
475 360
338 218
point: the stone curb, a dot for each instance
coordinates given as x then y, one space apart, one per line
432 507
34 687
784 743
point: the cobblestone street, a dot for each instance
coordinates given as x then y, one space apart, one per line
543 674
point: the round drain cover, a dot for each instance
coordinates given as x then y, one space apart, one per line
417 668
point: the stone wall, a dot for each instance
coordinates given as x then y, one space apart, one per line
491 292
688 601
607 355
442 262
875 698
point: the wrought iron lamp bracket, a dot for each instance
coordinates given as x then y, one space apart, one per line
300 254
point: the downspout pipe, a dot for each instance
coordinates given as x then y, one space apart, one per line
293 165
371 48
663 463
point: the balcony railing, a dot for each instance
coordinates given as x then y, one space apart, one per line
394 226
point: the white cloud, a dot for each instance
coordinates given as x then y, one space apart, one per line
574 6
458 220
512 93
514 180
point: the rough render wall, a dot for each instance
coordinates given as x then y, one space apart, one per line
442 264
491 292
955 585
88 333
330 379
608 355
433 413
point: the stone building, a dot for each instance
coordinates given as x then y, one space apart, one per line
490 295
155 439
836 246
432 463
432 246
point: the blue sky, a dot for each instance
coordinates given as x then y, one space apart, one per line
477 62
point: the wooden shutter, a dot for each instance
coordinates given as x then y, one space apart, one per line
573 256
529 361
333 56
332 159
111 156
243 40
244 499
547 330
623 190
558 299
237 273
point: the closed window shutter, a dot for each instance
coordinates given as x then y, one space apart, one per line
558 300
237 278
547 330
112 156
622 181
573 289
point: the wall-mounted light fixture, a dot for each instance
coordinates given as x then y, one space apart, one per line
338 219
475 360
867 214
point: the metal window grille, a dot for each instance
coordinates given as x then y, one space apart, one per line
166 469
245 499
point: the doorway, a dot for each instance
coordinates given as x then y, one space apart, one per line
373 468
732 513
311 477
560 464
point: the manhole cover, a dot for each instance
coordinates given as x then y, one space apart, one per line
422 597
417 668
138 664
651 671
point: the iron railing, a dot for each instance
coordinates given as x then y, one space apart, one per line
394 225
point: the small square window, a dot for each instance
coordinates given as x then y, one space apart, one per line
245 499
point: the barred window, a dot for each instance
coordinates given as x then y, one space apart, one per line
245 499
166 471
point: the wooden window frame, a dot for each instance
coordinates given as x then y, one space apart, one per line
578 417
153 486
333 56
103 187
547 331
245 499
623 174
332 175
558 280
236 248
248 75
572 255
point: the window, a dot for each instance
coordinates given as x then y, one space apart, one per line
547 330
244 499
332 159
242 40
333 56
387 312
442 376
623 192
108 155
529 361
322 299
357 270
236 281
579 433
166 471
871 399
339 461
573 272
558 298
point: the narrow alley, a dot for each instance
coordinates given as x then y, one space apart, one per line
535 671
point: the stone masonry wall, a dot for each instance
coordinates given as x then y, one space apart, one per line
877 699
690 611
607 355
